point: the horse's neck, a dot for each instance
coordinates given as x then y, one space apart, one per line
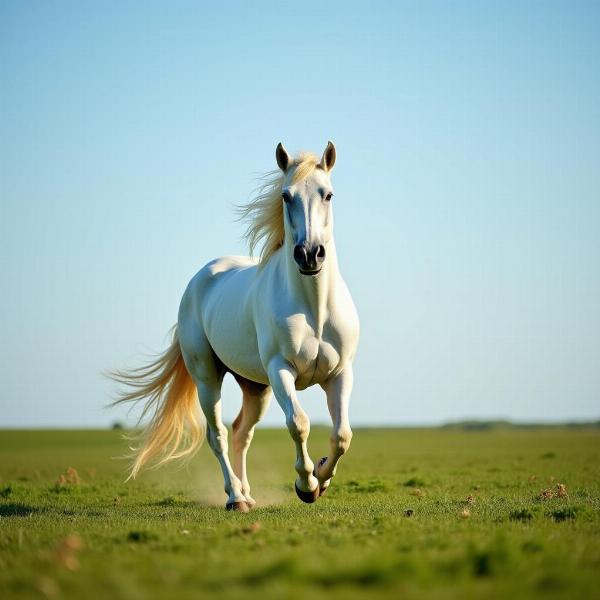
318 293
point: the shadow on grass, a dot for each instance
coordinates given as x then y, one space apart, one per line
17 509
171 502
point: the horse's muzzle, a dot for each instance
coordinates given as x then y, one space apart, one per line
309 258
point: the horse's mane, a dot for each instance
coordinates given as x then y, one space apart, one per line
264 213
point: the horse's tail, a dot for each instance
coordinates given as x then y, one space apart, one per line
177 427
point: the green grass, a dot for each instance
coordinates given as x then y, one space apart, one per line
391 525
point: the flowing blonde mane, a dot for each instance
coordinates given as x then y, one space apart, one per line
264 213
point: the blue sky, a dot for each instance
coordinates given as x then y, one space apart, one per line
467 192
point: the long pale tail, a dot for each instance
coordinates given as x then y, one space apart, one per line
177 427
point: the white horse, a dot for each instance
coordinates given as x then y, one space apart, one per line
283 323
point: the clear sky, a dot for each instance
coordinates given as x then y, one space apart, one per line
467 192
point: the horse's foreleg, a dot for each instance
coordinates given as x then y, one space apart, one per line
283 381
256 399
338 390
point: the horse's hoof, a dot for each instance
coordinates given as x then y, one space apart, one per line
239 506
308 497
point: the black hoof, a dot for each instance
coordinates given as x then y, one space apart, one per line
308 497
237 506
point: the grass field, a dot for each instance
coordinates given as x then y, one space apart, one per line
444 513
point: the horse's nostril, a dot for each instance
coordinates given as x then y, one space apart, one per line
299 253
321 253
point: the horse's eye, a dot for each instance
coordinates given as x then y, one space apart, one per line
328 197
286 196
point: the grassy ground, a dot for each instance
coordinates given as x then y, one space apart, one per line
443 513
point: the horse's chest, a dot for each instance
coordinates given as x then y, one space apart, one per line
315 359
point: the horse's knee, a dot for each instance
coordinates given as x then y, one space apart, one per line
341 440
299 427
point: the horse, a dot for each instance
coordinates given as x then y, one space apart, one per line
278 323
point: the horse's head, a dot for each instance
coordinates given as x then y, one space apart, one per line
306 197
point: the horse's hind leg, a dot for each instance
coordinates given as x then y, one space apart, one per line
210 401
208 373
256 399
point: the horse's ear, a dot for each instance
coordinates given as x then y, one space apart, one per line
328 159
284 160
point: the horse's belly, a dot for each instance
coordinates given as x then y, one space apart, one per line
234 342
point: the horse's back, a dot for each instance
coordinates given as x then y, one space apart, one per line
213 281
210 275
216 305
227 264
